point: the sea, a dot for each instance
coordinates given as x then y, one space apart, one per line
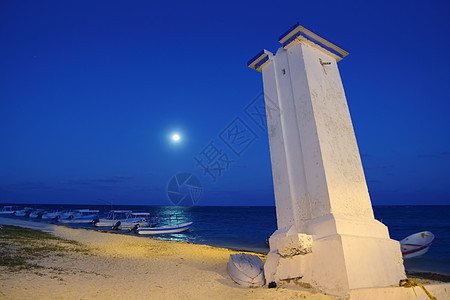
248 228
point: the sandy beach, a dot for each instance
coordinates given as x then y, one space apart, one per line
99 265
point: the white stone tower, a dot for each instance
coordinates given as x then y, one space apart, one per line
327 236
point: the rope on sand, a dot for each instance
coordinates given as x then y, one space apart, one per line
411 283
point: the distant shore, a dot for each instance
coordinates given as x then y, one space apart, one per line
80 264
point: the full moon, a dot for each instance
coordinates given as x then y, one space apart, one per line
175 137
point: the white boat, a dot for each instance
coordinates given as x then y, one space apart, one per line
416 244
116 218
69 214
37 213
164 229
80 216
9 210
24 212
246 270
136 220
52 215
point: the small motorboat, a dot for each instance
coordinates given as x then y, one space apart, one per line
164 229
115 218
24 212
80 216
9 210
416 244
37 213
55 215
137 220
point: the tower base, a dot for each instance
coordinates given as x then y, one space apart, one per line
346 254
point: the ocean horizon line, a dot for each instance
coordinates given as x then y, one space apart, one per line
199 205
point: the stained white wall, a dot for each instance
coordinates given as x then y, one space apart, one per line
324 212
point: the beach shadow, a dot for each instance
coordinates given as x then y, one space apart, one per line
224 279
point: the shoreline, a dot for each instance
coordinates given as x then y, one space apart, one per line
442 277
101 264
37 225
122 266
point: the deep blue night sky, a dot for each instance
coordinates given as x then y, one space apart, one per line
90 92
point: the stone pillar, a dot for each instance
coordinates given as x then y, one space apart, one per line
327 236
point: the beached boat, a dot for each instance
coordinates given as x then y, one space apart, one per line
80 216
135 221
68 214
37 213
9 210
55 215
24 212
164 229
246 270
416 244
116 218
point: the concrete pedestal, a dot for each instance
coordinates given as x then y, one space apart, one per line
327 234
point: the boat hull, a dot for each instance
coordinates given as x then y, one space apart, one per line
165 230
51 216
8 210
416 244
416 253
111 223
20 214
131 225
81 220
246 270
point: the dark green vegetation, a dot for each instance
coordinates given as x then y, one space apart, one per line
22 248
